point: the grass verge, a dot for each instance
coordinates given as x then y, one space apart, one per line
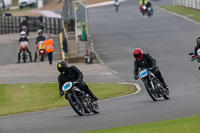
188 12
183 125
21 98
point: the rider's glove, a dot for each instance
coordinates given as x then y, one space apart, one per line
136 77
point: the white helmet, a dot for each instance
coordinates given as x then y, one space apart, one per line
39 31
23 34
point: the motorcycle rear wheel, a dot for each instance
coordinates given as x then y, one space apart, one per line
78 108
152 93
24 57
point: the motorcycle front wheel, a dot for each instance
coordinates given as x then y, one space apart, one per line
152 93
42 57
77 106
24 57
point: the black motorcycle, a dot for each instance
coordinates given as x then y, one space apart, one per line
153 86
197 57
81 102
149 12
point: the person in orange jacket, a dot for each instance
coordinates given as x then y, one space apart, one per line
48 42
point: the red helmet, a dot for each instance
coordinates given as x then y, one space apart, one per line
138 53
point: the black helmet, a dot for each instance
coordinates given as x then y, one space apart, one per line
198 41
62 66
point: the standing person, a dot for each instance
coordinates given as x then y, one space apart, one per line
38 39
24 26
146 61
48 42
116 4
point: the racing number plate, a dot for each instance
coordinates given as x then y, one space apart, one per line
143 73
198 52
67 86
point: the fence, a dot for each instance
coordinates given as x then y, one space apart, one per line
188 3
11 24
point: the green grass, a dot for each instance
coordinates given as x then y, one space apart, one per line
21 98
183 125
188 12
14 2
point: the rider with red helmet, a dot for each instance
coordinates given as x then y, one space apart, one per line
146 61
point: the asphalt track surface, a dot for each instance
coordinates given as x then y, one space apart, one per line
167 37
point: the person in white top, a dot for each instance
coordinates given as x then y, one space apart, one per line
116 5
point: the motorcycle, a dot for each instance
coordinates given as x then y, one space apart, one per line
143 9
153 86
41 53
24 47
81 102
193 57
149 12
24 28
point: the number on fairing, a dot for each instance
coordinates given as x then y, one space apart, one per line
198 52
143 73
67 86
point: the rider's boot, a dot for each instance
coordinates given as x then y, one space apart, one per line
92 95
61 94
165 86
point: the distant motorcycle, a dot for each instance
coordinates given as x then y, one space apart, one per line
153 86
81 102
195 58
149 11
41 52
24 28
143 9
24 47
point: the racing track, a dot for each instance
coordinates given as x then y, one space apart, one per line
166 37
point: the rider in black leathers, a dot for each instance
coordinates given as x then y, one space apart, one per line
146 61
197 47
23 38
72 74
149 5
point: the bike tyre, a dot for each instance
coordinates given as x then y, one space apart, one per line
72 101
24 57
42 57
149 91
